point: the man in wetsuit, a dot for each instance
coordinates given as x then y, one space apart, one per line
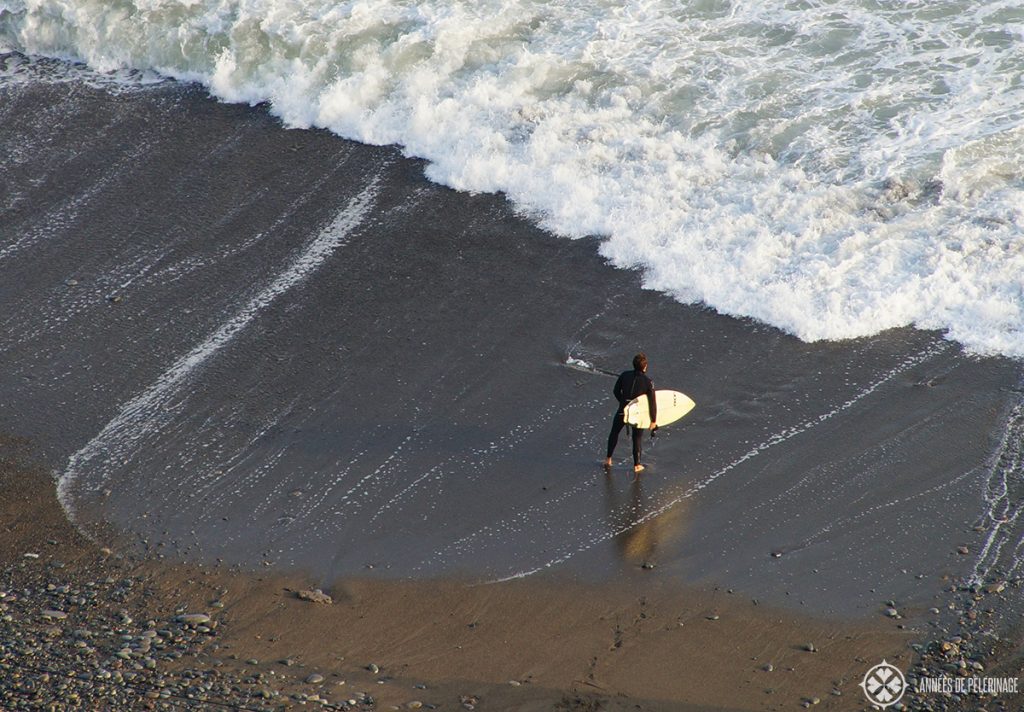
632 384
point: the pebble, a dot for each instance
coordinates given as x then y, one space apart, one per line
810 648
963 550
194 618
315 679
314 596
57 615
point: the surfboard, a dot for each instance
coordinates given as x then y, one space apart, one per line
672 405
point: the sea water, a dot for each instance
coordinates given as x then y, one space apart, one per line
831 167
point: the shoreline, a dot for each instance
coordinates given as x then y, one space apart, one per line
524 645
530 645
830 481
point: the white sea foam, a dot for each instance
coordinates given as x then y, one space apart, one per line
832 167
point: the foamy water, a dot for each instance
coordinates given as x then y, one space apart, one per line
831 168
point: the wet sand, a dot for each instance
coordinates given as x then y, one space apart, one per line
277 350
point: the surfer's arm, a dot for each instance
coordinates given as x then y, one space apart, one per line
617 391
652 404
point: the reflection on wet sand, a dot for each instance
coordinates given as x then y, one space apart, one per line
640 537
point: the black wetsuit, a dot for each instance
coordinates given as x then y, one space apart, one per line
631 384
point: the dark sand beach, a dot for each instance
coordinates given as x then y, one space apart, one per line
265 360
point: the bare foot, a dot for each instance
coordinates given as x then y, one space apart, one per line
608 462
637 469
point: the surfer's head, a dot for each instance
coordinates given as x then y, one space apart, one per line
640 362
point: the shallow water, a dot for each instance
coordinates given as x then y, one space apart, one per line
239 342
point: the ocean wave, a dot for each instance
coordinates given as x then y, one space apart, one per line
834 168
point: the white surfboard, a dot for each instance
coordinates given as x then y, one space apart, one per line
672 405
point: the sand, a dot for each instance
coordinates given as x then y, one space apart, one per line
259 360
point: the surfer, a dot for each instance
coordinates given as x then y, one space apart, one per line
632 384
